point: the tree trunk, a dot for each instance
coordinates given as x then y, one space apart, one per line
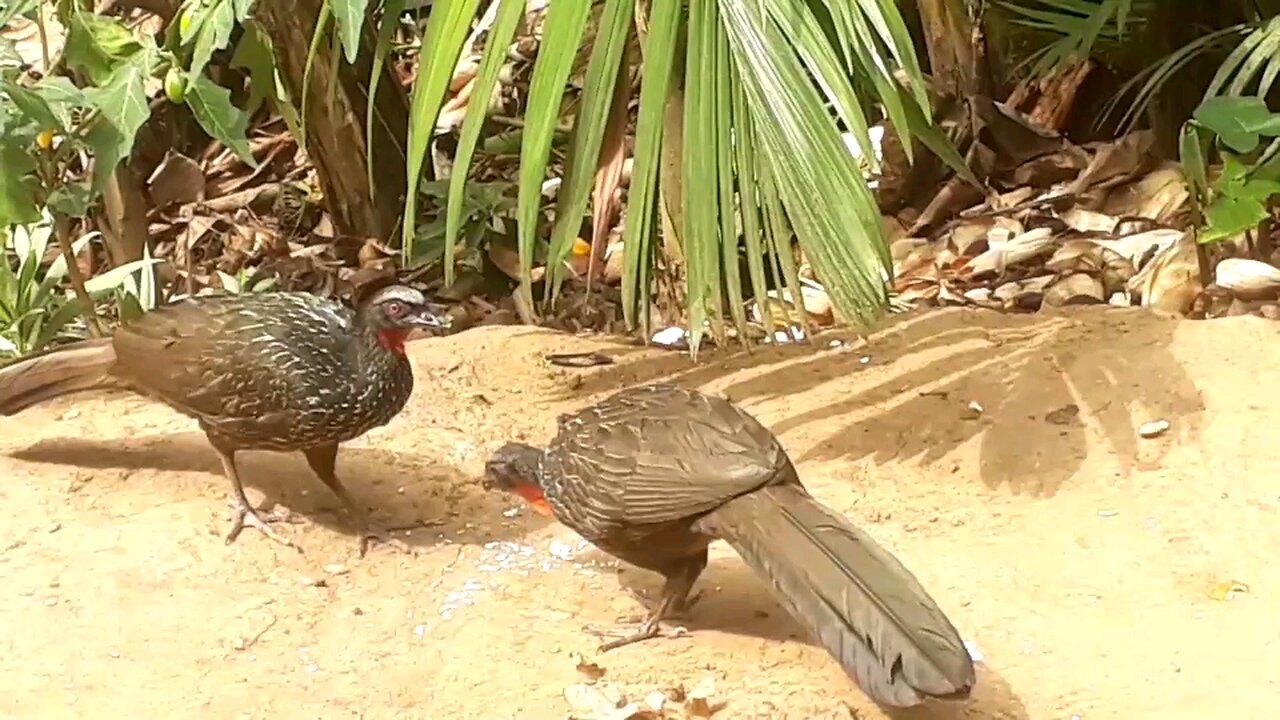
953 35
335 121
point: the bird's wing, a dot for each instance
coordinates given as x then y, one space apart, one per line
657 453
226 357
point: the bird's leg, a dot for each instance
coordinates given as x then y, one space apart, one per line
243 514
675 596
679 612
323 460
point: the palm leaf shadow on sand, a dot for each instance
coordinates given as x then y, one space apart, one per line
1049 387
402 491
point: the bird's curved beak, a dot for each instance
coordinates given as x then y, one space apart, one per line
432 317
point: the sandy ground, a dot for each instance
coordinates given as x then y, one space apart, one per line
1080 558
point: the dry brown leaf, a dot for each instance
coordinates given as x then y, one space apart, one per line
1248 279
698 703
1000 255
1076 289
969 237
1046 170
1227 590
614 262
507 259
955 196
1088 221
606 193
814 298
1140 247
1171 281
1160 195
590 670
1116 161
177 180
594 700
1023 294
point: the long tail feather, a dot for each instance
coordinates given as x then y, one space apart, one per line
856 598
72 368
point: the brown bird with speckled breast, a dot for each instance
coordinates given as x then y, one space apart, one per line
655 473
269 371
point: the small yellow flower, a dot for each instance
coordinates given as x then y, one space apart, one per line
44 140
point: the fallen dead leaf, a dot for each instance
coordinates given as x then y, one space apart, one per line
590 670
1227 590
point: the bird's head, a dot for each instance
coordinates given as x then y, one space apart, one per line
515 468
396 310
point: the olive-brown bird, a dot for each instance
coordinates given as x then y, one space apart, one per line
268 371
654 474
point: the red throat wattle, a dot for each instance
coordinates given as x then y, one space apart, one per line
532 494
393 339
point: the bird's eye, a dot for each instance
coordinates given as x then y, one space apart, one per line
395 309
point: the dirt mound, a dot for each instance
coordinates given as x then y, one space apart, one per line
998 456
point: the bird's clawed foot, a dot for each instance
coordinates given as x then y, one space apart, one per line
679 612
648 630
244 516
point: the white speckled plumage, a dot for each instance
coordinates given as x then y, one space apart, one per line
275 371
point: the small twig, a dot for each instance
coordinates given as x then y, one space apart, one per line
44 37
62 228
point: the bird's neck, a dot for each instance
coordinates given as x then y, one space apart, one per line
392 339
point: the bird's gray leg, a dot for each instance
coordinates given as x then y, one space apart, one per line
243 514
675 596
323 462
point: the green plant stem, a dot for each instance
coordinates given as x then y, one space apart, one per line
44 38
62 229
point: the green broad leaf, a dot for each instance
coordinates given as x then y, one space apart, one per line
10 58
107 143
1236 120
210 103
17 187
59 90
1191 154
1231 215
212 31
244 9
349 15
33 106
13 8
96 44
254 54
73 198
1259 190
122 99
